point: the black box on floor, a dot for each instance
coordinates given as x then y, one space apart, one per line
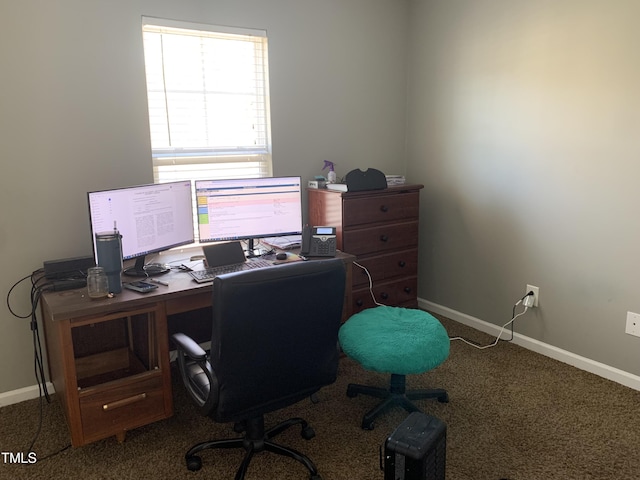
416 450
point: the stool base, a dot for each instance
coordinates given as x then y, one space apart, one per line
396 394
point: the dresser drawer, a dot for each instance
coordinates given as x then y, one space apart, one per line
402 292
112 409
381 208
391 265
382 238
379 227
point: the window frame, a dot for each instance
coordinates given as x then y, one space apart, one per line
198 162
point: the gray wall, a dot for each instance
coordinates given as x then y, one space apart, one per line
521 119
523 124
73 113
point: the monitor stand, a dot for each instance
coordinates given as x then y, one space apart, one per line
140 269
251 249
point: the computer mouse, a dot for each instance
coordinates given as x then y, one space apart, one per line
281 256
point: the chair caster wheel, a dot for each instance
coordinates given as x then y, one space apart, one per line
315 477
367 425
194 463
351 393
308 433
443 398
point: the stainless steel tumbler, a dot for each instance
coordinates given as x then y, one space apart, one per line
109 248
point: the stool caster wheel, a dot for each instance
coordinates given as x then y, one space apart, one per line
444 398
308 433
315 477
194 463
351 393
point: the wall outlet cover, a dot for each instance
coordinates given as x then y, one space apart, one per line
633 324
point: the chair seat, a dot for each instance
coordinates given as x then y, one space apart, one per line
395 340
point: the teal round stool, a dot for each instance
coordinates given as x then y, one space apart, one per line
399 341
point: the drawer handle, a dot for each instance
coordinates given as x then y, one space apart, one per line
407 289
384 238
384 208
359 303
124 402
384 295
402 263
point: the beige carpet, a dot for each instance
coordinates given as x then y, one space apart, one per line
512 414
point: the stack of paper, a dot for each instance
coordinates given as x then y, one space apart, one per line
395 180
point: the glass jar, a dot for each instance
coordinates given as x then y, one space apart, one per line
97 282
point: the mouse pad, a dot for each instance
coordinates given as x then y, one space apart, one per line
291 257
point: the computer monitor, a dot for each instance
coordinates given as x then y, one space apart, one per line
150 218
249 208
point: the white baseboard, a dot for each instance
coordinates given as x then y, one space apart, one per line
610 373
22 394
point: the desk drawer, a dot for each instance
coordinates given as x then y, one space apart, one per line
383 238
380 208
112 409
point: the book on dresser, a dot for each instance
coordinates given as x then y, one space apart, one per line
379 227
337 187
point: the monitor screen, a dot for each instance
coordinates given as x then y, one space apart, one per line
150 218
248 208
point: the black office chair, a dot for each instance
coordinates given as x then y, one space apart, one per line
274 342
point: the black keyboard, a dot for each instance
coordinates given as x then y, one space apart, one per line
208 274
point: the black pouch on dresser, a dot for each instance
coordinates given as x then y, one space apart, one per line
370 179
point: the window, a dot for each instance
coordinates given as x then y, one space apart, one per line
208 99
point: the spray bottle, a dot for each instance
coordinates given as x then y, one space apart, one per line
331 176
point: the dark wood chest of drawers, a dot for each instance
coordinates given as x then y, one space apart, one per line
380 228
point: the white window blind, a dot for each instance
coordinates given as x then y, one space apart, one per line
208 96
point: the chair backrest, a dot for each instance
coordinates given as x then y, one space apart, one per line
275 335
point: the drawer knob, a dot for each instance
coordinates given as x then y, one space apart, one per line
384 208
384 238
407 289
359 303
402 263
384 295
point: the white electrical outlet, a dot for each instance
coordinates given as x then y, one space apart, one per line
633 324
536 294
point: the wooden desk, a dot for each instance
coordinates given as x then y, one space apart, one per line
109 358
